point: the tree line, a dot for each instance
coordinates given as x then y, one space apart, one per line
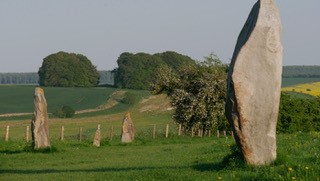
19 78
301 71
106 78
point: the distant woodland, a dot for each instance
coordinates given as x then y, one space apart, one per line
107 77
301 71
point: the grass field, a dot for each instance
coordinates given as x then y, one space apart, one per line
177 158
19 99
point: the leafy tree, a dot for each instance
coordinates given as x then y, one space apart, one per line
137 71
68 70
175 60
197 92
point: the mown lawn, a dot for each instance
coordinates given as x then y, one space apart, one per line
176 158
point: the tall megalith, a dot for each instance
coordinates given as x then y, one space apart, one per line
254 84
39 123
128 129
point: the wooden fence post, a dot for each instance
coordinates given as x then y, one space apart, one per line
218 133
154 131
62 133
179 131
7 133
167 131
224 133
27 133
111 133
192 132
80 134
209 134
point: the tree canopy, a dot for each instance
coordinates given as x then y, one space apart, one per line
197 93
68 70
137 71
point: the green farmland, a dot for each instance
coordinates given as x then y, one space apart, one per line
173 158
19 99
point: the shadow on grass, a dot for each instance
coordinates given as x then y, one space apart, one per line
97 170
11 151
30 149
234 161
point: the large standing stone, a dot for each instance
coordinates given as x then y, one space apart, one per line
39 123
254 83
128 129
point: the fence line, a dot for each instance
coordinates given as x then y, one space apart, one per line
152 131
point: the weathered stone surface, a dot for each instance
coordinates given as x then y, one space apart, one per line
128 129
97 137
254 83
39 123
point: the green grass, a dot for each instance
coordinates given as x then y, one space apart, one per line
178 158
286 82
19 99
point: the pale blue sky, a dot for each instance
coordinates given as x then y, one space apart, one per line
103 29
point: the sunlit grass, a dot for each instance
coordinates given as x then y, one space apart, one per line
176 158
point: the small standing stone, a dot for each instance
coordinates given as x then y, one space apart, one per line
39 123
128 129
97 137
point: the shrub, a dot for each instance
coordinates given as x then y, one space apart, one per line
298 114
64 112
69 111
129 98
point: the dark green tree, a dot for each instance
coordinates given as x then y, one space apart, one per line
175 60
137 71
68 70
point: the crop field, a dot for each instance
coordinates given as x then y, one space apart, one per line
19 99
311 89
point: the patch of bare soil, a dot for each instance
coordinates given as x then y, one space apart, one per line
14 114
159 103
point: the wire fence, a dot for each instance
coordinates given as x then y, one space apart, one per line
111 132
